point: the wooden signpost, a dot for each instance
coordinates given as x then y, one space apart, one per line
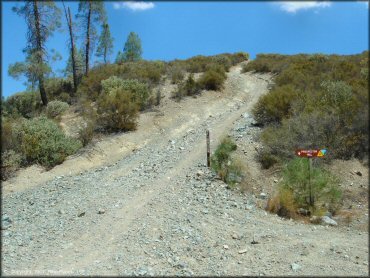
310 154
208 150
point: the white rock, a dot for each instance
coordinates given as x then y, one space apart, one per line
295 267
327 220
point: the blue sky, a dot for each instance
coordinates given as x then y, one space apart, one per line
171 30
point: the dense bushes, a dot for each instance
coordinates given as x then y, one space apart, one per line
316 101
40 140
140 92
26 104
10 162
55 108
146 72
187 88
118 110
202 63
295 190
213 78
59 89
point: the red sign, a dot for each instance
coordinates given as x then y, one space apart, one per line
311 153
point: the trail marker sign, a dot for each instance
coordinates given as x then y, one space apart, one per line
311 153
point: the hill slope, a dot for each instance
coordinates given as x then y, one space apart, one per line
153 208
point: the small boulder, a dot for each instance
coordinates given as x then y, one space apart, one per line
295 267
328 221
358 173
101 211
200 173
263 195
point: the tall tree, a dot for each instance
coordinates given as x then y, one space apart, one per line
105 46
90 13
71 46
132 50
42 18
79 64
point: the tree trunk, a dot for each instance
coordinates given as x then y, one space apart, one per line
72 51
39 53
88 40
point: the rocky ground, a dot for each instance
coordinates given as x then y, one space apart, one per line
158 210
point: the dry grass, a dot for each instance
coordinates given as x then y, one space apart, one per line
283 204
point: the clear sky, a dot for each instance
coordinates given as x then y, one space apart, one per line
170 30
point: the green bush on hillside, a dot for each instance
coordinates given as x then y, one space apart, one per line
213 79
118 110
26 104
56 108
139 91
10 163
40 140
229 169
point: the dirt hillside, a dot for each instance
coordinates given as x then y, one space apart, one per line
144 203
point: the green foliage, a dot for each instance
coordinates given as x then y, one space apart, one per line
176 74
316 101
57 88
143 71
213 78
140 91
276 105
10 163
187 88
55 108
40 27
202 63
26 104
118 110
222 162
132 50
105 45
324 187
40 140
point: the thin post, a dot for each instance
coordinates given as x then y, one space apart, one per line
309 180
208 150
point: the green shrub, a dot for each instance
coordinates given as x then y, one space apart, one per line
139 91
316 101
10 162
26 104
118 110
86 133
267 159
213 79
229 169
324 187
276 105
58 89
56 108
176 74
40 140
7 136
158 97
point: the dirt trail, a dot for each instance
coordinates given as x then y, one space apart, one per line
158 210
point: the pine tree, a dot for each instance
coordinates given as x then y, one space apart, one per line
132 50
105 46
90 13
42 18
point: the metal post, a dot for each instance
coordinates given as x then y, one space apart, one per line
309 180
208 151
